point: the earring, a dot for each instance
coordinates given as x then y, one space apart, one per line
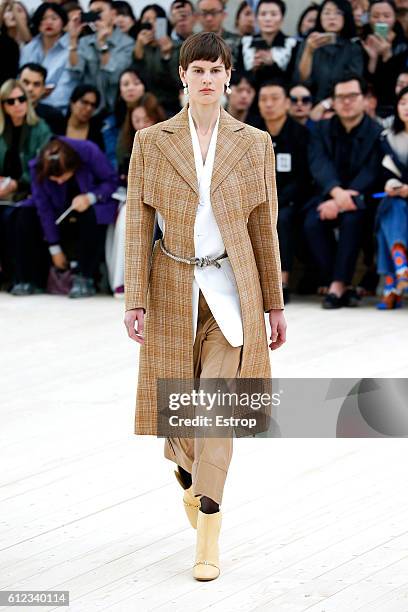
228 90
185 86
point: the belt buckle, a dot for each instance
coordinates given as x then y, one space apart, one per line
202 262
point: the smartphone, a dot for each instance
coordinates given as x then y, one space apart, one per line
161 27
259 43
90 17
331 37
145 25
381 29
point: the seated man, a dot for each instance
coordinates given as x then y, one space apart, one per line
290 140
33 77
344 159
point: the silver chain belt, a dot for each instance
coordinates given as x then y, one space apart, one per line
201 262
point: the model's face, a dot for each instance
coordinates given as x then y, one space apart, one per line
300 102
269 18
332 18
206 80
211 15
241 96
34 84
348 100
131 87
140 119
403 108
51 24
246 21
15 105
382 13
273 103
309 22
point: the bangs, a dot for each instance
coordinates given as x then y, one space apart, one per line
206 46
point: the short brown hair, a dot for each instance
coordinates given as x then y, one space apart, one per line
56 158
207 46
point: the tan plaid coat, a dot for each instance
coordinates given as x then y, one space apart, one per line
162 176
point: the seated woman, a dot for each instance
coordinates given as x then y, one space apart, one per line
76 174
267 54
82 123
329 52
22 134
130 90
392 213
386 47
146 112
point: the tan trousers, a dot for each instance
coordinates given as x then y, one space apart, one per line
207 459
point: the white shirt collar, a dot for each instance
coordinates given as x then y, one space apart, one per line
196 145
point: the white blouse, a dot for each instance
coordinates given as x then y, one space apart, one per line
218 285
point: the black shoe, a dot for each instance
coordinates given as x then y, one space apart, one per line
82 287
25 289
286 295
350 298
331 301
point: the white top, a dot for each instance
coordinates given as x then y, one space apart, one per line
218 285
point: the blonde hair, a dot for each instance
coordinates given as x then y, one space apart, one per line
5 91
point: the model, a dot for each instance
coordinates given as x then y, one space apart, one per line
196 304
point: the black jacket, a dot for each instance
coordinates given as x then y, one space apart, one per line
327 164
292 172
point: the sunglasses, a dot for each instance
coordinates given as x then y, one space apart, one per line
12 101
302 99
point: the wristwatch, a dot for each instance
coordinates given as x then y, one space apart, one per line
103 49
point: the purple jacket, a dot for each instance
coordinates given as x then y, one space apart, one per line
95 175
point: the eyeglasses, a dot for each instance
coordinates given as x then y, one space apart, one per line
350 96
302 99
87 103
12 101
212 13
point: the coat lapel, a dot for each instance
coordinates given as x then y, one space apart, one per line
176 145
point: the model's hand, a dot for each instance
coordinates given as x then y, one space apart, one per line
278 328
131 317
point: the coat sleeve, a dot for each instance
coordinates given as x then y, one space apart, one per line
262 229
139 233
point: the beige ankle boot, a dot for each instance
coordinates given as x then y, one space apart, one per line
190 501
207 565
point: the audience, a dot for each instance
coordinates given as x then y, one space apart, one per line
67 173
290 141
81 121
157 60
301 102
344 156
392 214
268 53
33 76
49 47
93 76
242 96
329 51
245 19
183 19
130 90
101 57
